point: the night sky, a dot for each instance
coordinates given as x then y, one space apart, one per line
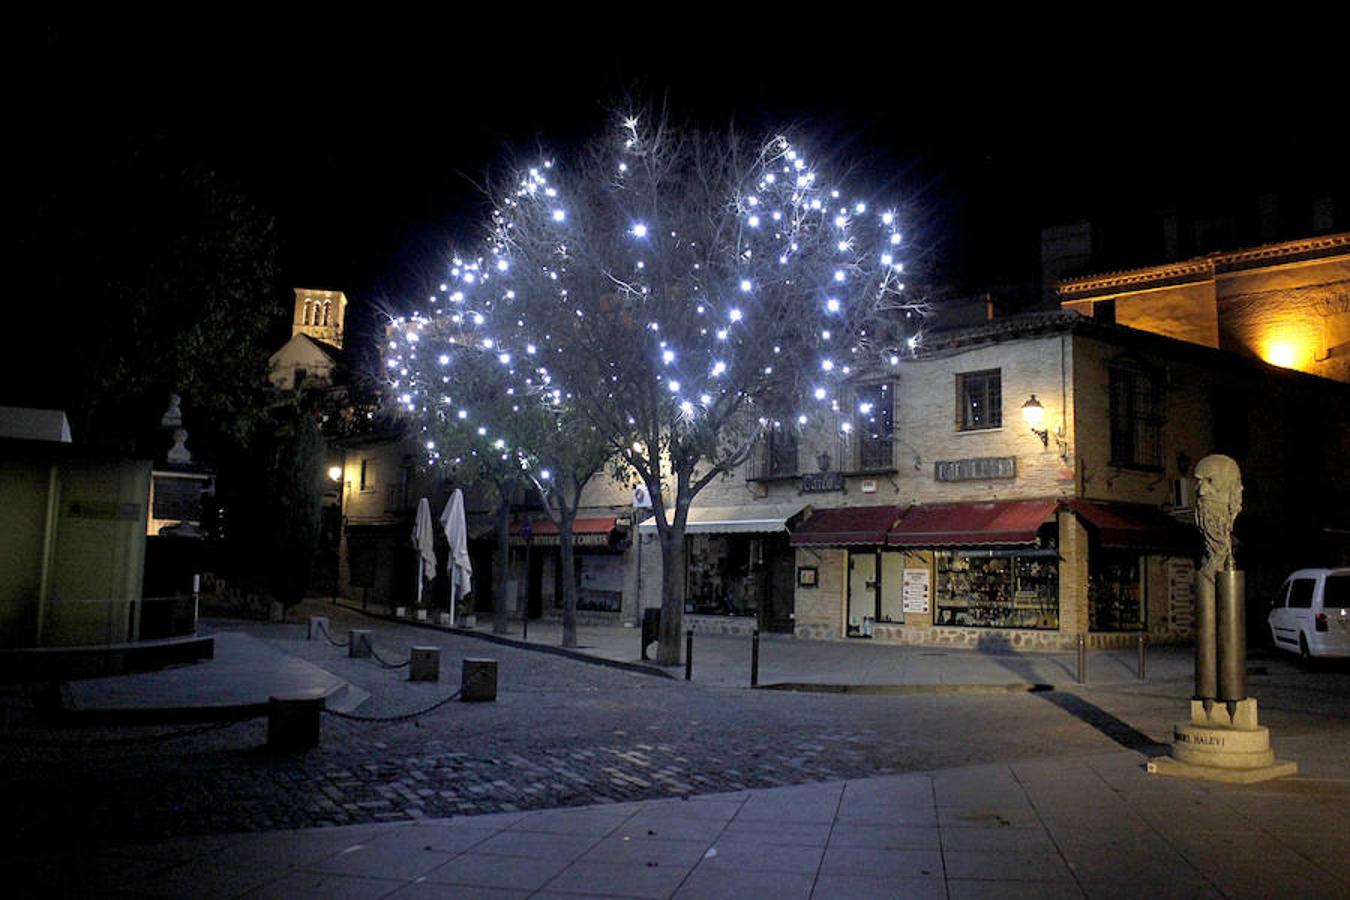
364 142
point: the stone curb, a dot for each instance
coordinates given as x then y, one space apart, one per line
1021 687
640 668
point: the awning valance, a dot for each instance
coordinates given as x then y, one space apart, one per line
850 525
759 519
593 531
1134 526
1005 522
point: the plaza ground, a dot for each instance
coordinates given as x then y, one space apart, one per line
597 780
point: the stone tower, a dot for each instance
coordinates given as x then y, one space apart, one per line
320 315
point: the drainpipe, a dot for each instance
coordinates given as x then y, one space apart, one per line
48 547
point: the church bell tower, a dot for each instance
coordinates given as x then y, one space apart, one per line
320 315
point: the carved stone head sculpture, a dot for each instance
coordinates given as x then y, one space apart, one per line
1219 484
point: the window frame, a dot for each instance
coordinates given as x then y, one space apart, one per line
984 377
1141 429
863 459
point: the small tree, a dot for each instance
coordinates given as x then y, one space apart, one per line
468 404
684 291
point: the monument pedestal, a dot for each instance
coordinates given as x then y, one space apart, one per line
1217 746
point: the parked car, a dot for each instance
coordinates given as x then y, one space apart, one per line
1311 615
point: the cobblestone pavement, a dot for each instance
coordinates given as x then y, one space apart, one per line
562 733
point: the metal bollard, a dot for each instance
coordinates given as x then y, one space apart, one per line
293 724
754 658
689 655
358 643
1082 659
1143 642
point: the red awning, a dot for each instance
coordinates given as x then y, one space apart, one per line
587 532
846 525
972 524
1134 526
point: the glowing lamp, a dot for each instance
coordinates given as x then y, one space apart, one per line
335 473
1034 413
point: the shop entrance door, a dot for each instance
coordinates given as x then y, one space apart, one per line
862 594
782 594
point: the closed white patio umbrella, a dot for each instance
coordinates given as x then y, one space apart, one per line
457 565
424 539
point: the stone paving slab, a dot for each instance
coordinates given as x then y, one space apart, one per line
720 849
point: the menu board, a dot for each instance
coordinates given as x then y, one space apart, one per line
914 596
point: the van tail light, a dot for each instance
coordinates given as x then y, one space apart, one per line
1320 623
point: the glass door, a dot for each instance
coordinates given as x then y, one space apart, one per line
862 593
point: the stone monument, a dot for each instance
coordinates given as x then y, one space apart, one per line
1222 741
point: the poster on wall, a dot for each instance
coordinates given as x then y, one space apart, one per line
914 593
1181 593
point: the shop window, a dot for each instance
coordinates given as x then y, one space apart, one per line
731 574
1136 419
979 400
1008 589
875 409
1114 593
599 582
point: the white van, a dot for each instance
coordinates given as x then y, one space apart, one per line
1311 616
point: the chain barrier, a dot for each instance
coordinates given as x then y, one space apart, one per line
401 717
386 663
373 652
415 714
124 741
328 637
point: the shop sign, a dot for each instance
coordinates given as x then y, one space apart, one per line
914 591
821 482
980 469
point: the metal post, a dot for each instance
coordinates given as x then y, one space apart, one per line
196 600
754 658
525 607
1143 643
1231 631
689 655
1206 644
1082 659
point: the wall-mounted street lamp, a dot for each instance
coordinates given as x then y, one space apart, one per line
335 473
1034 413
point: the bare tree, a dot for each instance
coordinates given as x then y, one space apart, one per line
684 291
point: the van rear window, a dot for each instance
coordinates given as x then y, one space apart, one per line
1336 592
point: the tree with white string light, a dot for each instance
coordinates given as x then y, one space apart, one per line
680 292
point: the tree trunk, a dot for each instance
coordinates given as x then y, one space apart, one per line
501 567
569 581
672 594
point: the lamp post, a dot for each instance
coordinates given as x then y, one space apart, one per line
335 476
527 531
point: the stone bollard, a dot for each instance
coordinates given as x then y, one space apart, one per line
445 620
421 615
318 627
478 681
426 664
358 643
293 723
400 612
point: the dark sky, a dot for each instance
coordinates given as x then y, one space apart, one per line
363 141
